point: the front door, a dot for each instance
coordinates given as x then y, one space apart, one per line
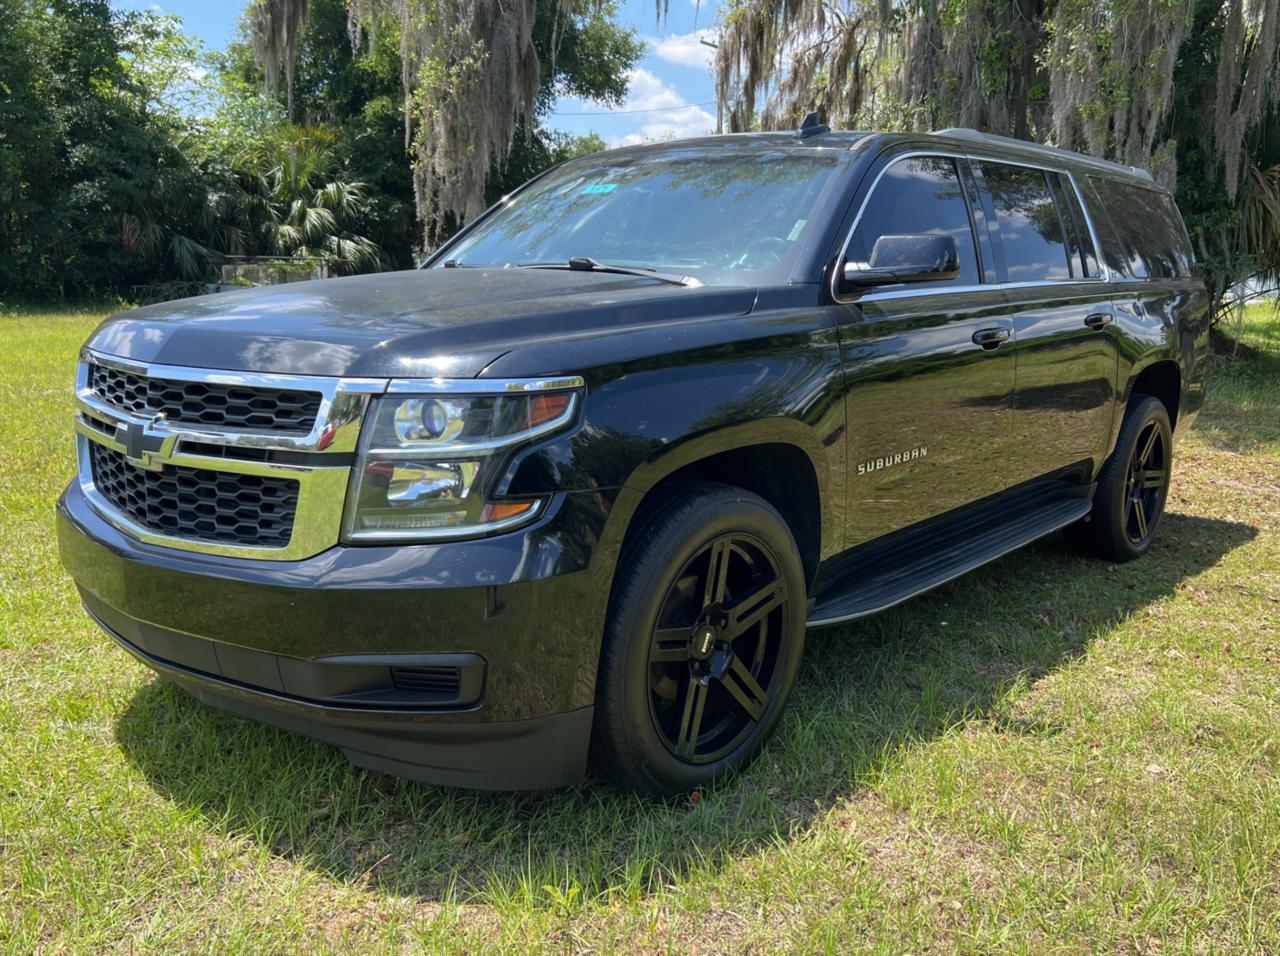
929 367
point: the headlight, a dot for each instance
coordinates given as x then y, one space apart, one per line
427 463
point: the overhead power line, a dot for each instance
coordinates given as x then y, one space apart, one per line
656 109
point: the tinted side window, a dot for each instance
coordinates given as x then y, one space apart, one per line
918 195
1030 227
1084 261
1170 250
1150 237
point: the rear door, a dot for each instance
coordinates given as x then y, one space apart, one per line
929 367
1065 345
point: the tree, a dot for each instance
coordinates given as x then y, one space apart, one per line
587 57
295 209
475 79
351 95
108 180
94 193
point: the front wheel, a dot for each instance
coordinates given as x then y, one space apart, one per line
703 640
1132 486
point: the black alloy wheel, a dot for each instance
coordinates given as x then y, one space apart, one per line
1132 486
702 643
714 654
1147 483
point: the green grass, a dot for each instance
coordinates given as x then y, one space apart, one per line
1052 754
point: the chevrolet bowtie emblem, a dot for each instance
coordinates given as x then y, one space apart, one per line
145 445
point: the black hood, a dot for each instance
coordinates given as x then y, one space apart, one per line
450 322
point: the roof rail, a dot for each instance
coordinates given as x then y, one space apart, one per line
812 126
964 132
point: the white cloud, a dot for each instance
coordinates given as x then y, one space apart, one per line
685 49
646 92
676 124
672 117
653 110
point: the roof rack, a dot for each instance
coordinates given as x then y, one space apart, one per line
812 125
964 132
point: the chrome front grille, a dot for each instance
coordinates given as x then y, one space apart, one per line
233 463
198 504
206 403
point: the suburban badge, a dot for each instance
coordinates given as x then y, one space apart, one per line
888 461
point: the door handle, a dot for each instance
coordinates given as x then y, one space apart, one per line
991 338
1099 320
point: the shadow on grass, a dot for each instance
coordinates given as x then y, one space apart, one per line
865 693
1243 407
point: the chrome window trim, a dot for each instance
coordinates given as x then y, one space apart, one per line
957 155
984 287
322 488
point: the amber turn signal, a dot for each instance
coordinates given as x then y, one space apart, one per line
506 509
546 408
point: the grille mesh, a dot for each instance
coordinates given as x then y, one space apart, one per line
443 681
200 403
196 503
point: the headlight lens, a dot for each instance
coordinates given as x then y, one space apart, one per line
428 462
428 419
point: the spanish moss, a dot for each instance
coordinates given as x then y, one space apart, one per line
277 30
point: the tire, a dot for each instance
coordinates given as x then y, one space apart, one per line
696 668
1132 486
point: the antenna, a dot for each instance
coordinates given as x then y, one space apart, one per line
812 126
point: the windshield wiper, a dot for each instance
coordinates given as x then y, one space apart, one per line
587 264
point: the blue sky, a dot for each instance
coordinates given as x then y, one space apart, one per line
671 89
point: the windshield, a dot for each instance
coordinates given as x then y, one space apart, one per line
726 218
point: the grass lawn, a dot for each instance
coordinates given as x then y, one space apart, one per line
1052 754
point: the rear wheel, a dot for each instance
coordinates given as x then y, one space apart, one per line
704 636
1132 486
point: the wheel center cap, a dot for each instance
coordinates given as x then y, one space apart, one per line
703 642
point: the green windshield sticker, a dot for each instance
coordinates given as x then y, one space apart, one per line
794 234
597 188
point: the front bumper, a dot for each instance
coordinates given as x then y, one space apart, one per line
310 645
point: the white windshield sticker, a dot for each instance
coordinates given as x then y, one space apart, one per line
794 234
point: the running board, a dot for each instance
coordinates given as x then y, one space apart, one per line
885 575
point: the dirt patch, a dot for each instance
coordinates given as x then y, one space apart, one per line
1221 343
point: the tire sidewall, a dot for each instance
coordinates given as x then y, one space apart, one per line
668 549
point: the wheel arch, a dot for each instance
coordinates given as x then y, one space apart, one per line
781 465
1161 377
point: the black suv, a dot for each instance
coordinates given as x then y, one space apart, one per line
581 484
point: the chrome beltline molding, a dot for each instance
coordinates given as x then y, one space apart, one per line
322 488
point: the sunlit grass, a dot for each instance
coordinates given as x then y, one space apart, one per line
1049 754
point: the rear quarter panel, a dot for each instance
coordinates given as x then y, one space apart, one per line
1172 324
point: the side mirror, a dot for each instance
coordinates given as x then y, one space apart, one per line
919 257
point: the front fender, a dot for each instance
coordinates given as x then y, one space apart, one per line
770 378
